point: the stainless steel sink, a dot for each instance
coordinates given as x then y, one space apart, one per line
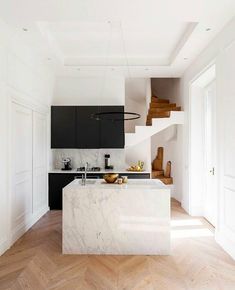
92 181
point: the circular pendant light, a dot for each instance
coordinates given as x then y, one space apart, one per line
115 116
121 115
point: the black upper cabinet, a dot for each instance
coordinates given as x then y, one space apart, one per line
88 129
63 127
112 132
73 127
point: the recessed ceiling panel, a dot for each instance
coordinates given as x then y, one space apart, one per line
115 43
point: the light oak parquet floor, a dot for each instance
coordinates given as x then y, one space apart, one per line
197 262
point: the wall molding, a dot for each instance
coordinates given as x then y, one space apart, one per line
25 226
4 245
19 98
226 243
197 210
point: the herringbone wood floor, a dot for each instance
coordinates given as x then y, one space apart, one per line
197 262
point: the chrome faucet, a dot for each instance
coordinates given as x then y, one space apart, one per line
85 174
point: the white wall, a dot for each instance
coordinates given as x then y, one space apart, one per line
89 91
136 107
135 101
25 78
140 151
166 88
221 51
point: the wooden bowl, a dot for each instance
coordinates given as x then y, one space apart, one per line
111 177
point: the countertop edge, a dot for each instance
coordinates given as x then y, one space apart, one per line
59 171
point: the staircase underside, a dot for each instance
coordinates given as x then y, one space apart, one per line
157 125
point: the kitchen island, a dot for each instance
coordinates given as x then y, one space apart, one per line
127 219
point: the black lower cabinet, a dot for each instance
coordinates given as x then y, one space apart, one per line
57 181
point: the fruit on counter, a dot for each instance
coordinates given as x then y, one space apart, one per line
138 167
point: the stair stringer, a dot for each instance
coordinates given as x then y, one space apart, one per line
158 124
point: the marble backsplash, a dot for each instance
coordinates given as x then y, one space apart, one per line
95 157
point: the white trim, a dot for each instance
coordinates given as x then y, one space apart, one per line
4 245
15 97
189 208
25 226
20 99
196 210
226 243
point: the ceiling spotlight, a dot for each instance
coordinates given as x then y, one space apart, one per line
24 29
208 29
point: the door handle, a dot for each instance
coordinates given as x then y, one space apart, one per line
212 171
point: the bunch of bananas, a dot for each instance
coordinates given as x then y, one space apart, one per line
138 167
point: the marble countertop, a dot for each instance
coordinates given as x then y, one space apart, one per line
113 219
102 171
131 184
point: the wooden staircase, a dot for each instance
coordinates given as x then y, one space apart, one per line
160 108
157 168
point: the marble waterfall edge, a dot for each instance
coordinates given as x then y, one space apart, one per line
132 219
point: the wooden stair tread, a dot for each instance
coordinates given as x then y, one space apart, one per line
158 110
162 105
157 100
165 114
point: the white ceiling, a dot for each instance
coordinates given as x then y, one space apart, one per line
144 38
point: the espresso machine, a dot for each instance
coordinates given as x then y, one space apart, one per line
67 164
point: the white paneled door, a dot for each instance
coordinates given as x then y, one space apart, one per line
21 197
29 168
39 161
210 198
226 139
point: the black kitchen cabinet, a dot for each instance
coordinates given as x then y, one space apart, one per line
56 184
112 131
73 127
87 129
63 127
57 181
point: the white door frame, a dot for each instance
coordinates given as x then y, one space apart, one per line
211 171
195 201
16 97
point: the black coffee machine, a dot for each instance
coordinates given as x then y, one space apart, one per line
67 164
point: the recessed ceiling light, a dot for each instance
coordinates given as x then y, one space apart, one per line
208 29
24 29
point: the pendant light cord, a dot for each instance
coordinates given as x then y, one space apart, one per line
125 51
108 46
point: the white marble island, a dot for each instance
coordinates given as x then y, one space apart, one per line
127 219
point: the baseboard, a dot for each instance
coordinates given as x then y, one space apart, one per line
184 206
4 245
226 244
196 211
24 227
